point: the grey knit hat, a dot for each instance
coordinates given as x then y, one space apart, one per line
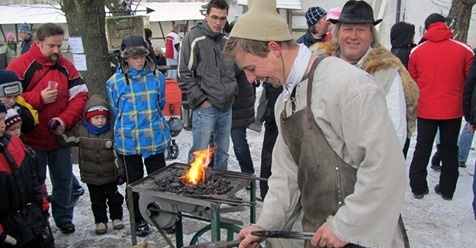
24 28
261 23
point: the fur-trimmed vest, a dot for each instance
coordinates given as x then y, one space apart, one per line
381 59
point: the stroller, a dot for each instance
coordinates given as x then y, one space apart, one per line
173 102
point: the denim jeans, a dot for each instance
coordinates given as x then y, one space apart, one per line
172 73
61 170
242 149
474 191
76 184
464 144
212 122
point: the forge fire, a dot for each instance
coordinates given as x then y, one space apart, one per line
198 179
214 184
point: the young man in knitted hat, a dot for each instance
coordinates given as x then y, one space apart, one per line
24 32
136 94
209 83
63 104
330 159
317 26
100 167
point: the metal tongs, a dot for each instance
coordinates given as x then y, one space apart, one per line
283 234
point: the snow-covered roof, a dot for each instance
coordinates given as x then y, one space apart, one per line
31 13
280 4
43 13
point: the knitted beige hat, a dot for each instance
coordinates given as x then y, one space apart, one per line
261 23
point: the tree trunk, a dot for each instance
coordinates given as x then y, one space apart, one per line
460 11
86 19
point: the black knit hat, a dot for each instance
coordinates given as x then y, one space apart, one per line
10 85
3 108
356 12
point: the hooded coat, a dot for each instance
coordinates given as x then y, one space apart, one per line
401 39
441 93
98 162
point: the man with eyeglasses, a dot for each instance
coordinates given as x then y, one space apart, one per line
53 86
209 83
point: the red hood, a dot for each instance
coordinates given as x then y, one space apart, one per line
438 32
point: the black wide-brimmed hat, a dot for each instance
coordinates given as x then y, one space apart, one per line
356 12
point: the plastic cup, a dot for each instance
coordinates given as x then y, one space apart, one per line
52 85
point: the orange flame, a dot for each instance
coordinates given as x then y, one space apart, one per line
196 173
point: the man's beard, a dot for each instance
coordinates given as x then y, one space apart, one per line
53 57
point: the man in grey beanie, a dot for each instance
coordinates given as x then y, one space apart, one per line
24 32
330 160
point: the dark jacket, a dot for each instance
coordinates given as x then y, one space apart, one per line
98 161
308 40
26 45
243 109
401 38
15 195
469 94
203 73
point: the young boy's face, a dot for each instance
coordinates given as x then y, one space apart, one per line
2 124
136 62
9 101
98 121
14 129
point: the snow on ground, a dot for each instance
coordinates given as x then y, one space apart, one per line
430 222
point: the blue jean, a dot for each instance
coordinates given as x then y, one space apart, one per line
212 122
464 144
172 73
76 184
61 171
242 149
474 191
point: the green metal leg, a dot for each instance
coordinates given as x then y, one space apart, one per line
130 203
253 202
215 224
179 230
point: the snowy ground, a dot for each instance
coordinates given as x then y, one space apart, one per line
431 222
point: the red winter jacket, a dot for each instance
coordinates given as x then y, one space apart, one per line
34 71
439 67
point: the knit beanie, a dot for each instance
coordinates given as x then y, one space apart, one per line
314 14
261 23
11 118
97 110
10 85
10 36
24 28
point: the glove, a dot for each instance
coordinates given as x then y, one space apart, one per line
120 180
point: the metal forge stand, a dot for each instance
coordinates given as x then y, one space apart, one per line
164 209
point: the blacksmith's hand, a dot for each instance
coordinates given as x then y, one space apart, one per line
248 240
324 237
49 96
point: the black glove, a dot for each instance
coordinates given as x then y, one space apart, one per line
120 180
53 124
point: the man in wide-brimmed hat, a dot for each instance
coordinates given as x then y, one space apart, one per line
330 160
357 41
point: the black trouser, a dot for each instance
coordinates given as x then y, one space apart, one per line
101 195
135 171
270 136
449 131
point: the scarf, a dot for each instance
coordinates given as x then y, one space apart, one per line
96 130
297 71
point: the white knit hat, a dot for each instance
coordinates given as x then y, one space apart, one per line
261 23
